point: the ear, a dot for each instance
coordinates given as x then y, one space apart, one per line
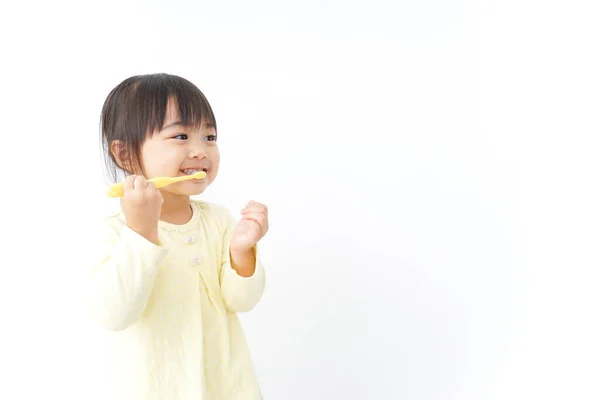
121 155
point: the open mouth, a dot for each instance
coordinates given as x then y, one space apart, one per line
190 171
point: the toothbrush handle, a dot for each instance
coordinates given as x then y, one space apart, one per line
116 190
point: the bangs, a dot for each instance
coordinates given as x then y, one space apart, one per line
152 96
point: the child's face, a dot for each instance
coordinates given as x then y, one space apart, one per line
178 150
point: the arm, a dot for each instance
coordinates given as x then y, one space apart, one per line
121 283
242 273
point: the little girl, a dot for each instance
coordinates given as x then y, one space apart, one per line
175 271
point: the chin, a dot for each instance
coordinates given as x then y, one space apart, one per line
187 193
196 192
194 188
186 188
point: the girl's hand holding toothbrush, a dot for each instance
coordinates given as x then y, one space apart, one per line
141 203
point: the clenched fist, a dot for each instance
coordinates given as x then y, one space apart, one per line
251 228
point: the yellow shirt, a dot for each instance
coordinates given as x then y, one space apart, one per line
173 309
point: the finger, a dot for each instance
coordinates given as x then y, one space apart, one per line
248 211
140 182
256 207
128 183
152 191
262 207
259 210
150 187
255 203
255 215
259 218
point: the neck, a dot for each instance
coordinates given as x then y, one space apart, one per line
175 209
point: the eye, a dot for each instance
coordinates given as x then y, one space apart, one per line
211 138
182 136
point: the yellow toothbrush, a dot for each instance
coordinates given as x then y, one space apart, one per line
116 190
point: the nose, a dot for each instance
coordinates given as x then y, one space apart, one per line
197 150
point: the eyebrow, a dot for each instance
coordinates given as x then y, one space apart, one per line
180 123
172 124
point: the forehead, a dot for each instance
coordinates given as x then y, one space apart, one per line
172 116
172 112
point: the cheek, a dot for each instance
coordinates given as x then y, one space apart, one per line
215 159
145 159
159 159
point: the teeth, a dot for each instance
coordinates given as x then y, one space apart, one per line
191 171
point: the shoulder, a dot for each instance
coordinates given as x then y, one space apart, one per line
210 208
105 229
215 212
113 223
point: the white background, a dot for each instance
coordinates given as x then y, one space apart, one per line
430 166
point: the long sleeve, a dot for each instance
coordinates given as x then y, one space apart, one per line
240 294
121 283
